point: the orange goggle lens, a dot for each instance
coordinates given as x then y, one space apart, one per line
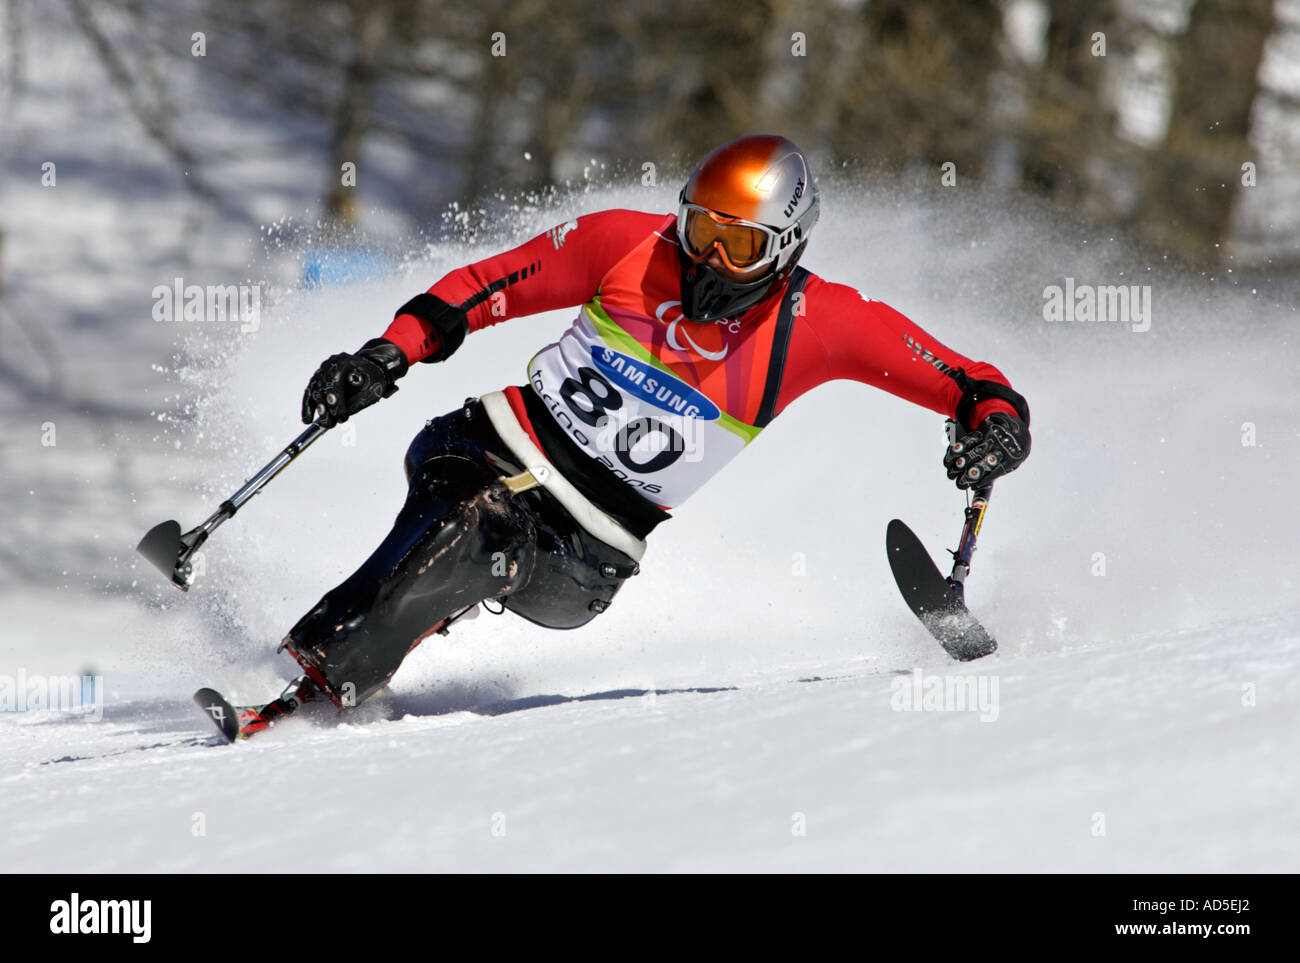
744 245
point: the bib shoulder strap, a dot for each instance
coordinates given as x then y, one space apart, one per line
780 346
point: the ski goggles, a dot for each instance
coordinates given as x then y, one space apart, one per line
743 245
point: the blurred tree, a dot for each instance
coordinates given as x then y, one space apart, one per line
899 85
14 14
131 70
371 22
920 94
536 89
700 75
1069 123
1193 179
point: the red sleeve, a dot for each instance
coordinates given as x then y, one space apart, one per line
560 268
848 336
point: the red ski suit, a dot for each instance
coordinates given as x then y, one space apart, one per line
633 355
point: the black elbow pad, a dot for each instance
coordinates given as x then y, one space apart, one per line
449 320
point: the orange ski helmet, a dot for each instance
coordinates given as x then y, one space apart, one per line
751 201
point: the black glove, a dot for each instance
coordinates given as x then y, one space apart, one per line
996 447
346 383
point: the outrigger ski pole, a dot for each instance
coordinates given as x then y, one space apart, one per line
939 602
171 552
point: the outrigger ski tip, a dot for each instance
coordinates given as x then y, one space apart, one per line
171 551
937 601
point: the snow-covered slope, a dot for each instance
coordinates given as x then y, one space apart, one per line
1138 572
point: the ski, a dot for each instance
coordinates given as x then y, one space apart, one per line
223 715
241 722
939 602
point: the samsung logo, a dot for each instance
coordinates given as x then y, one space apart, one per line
653 385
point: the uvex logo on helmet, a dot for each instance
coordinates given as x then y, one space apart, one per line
794 201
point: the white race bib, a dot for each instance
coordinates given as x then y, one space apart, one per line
660 435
